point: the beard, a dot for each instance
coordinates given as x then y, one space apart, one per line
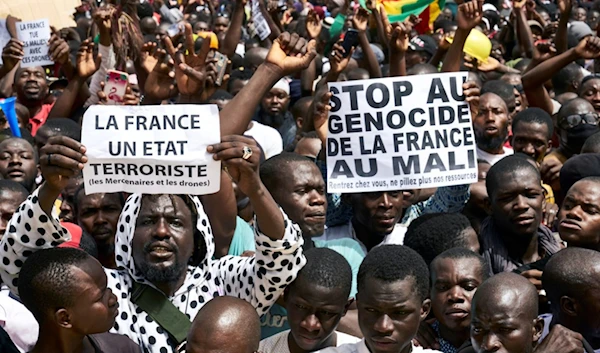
492 143
273 120
160 274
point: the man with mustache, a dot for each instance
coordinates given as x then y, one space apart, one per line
30 86
491 128
273 112
98 215
164 243
513 235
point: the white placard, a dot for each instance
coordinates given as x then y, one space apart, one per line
148 149
400 133
35 35
261 26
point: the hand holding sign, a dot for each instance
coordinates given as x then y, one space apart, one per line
241 164
290 53
190 71
469 14
60 159
12 54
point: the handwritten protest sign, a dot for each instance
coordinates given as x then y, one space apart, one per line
151 149
35 35
400 133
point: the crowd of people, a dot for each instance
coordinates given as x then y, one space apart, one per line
273 262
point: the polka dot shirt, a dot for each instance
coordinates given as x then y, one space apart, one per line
260 280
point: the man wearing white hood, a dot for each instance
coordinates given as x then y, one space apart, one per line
164 243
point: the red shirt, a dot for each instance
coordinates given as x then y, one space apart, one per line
40 118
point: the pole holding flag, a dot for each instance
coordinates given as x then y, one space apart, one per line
8 107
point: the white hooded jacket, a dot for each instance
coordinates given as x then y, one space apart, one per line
259 280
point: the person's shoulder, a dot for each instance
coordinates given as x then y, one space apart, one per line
344 348
110 342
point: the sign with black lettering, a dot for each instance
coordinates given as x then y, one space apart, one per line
400 133
35 35
148 149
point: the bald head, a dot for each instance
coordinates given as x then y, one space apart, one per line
504 315
571 272
221 319
254 57
575 106
507 293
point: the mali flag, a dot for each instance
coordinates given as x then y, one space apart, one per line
400 10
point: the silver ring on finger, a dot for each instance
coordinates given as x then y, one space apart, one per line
49 159
247 152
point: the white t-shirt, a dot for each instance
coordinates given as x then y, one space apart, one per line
361 347
279 342
268 138
396 237
18 322
493 158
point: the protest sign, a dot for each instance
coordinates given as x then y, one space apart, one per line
35 35
261 26
151 149
400 133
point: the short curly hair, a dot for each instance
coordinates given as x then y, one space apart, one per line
434 233
390 263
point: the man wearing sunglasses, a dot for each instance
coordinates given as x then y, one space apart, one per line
577 120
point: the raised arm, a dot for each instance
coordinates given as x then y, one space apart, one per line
360 22
71 99
469 15
33 227
289 54
278 241
560 40
534 79
398 45
234 33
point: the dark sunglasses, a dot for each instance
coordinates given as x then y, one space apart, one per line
572 121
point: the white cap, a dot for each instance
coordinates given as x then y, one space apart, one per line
283 85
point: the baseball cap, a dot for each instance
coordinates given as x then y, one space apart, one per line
423 43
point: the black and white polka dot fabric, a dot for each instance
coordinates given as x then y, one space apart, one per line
259 280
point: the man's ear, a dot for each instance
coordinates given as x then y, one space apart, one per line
62 318
569 306
347 306
425 308
538 327
299 122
